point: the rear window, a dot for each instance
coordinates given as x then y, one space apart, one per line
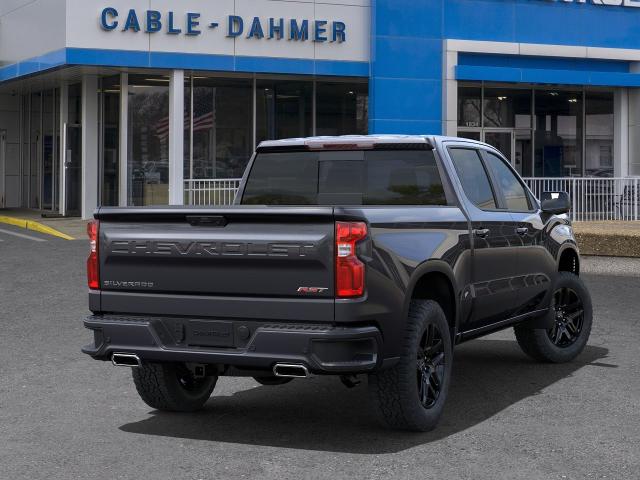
376 177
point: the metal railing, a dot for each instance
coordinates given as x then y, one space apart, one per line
216 191
593 198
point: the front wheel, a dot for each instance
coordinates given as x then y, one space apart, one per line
172 387
573 320
411 395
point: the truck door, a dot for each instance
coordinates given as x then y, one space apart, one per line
494 237
536 266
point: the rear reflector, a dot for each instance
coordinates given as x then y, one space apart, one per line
93 228
349 269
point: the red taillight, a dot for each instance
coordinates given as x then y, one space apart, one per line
349 269
93 227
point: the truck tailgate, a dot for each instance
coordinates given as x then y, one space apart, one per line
233 251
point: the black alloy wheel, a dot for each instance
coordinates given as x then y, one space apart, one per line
569 318
430 366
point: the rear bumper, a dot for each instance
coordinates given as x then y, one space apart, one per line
322 348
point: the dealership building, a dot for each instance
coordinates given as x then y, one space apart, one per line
154 102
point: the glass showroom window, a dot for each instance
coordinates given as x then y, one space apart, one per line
507 108
470 106
558 136
341 108
148 140
599 134
110 90
222 128
284 109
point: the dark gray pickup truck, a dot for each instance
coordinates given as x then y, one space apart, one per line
345 256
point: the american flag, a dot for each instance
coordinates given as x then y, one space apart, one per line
203 122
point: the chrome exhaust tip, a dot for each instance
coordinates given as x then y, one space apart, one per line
126 360
288 370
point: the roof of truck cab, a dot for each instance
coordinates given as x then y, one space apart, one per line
364 140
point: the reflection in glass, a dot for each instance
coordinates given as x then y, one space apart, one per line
341 108
148 141
283 109
469 106
48 150
599 134
222 128
110 139
507 108
558 133
34 149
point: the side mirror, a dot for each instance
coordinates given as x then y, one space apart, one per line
555 203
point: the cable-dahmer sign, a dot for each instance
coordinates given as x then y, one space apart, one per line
191 23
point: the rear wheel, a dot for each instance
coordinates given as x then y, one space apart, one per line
272 380
411 395
573 320
172 387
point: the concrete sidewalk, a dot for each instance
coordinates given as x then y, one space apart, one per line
612 239
69 228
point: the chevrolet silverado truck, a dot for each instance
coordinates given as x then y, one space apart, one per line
349 256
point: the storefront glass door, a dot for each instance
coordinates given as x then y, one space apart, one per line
502 140
73 170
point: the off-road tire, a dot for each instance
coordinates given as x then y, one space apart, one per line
171 387
538 343
273 380
395 392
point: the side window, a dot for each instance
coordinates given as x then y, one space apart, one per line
473 177
515 195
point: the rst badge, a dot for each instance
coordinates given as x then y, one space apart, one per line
312 290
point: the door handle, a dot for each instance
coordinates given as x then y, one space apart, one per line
522 231
482 233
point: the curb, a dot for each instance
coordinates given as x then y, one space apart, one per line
35 226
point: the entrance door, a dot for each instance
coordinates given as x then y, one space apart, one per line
3 168
73 171
502 140
515 145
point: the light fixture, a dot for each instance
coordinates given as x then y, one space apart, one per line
573 100
554 94
502 99
350 92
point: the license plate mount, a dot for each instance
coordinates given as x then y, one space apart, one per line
210 333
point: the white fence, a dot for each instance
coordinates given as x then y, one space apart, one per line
595 199
592 199
218 191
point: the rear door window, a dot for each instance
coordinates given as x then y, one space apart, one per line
376 177
473 177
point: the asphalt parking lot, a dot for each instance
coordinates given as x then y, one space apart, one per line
64 416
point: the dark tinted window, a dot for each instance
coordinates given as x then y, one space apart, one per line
345 178
283 179
514 193
473 177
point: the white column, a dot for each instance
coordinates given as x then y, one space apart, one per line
621 133
123 185
176 138
449 92
64 119
89 145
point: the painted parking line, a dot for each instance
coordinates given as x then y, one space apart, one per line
22 235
